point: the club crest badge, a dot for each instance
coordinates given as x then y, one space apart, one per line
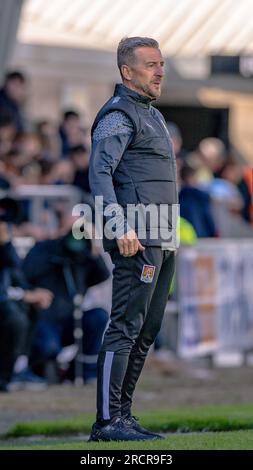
148 273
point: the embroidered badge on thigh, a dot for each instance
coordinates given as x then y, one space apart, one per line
148 273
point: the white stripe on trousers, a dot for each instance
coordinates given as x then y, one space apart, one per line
106 383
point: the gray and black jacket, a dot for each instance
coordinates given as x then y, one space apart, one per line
132 161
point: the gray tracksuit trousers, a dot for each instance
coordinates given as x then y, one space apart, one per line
140 292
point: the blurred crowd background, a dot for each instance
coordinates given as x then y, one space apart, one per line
50 329
215 178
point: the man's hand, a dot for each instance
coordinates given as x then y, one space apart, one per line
129 244
40 297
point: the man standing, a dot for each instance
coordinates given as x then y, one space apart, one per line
132 164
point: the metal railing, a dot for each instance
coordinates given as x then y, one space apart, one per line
45 197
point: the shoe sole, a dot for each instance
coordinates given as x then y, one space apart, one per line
148 438
151 435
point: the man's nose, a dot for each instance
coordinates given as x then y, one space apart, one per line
160 71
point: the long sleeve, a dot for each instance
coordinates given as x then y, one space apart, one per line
110 139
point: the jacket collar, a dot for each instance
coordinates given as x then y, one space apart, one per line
122 90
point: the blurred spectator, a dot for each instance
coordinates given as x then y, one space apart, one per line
29 229
31 173
18 315
29 145
64 172
248 180
49 139
195 204
176 137
177 140
14 161
232 171
203 173
17 169
67 267
7 133
80 159
59 172
227 204
4 182
71 132
212 152
226 194
12 98
47 172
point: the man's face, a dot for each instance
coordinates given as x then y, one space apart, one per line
17 90
146 73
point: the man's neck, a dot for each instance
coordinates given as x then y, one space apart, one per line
140 92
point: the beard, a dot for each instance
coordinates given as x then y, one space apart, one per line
149 90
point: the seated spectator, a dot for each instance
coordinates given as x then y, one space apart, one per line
18 315
67 267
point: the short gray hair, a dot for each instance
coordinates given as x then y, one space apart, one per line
127 46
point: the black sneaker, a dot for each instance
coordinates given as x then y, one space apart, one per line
132 422
116 430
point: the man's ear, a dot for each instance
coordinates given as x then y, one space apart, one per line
126 72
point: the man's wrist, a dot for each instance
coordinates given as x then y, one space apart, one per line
122 230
